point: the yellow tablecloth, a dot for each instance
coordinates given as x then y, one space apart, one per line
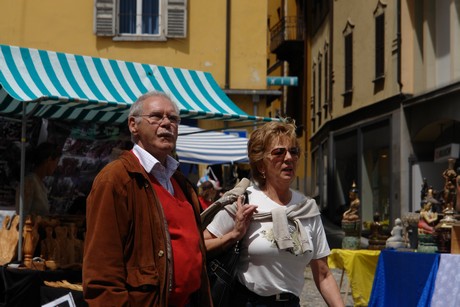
360 267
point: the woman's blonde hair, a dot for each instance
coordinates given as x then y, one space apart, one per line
260 140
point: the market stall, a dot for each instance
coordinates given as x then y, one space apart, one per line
82 89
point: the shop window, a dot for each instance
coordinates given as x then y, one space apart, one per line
345 173
375 171
141 19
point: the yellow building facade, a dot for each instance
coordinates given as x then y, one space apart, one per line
215 38
384 89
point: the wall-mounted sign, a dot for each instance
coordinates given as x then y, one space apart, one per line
441 154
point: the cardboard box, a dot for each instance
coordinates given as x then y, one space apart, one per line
455 239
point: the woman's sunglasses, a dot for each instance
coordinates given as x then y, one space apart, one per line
281 151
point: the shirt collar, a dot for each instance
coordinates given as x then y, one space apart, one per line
152 165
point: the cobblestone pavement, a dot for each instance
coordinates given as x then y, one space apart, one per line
312 298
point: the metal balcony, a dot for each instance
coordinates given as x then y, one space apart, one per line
287 37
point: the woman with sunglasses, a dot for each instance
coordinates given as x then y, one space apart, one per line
280 229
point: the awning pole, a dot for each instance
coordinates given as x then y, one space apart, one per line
21 181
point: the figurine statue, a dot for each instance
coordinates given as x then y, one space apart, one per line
49 246
428 218
377 239
450 187
62 244
351 222
352 214
457 207
424 190
396 240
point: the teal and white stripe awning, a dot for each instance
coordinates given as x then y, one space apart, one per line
83 88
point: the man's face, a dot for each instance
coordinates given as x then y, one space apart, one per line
157 134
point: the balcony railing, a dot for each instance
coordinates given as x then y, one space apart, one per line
288 29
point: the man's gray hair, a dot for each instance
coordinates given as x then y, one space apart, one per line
137 106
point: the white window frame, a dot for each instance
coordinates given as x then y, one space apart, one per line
172 21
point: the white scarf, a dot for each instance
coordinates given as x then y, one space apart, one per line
280 216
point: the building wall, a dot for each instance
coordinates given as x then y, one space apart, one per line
430 36
361 15
414 105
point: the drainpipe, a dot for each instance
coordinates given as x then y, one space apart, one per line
227 45
398 38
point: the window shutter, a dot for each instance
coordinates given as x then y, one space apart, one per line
104 17
176 19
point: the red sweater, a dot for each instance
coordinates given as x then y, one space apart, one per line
185 242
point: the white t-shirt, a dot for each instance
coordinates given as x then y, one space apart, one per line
263 268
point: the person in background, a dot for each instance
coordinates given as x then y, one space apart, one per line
280 229
45 159
209 191
143 245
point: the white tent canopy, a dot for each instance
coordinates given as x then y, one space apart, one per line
198 146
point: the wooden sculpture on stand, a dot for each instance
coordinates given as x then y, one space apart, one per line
351 221
31 238
49 247
63 245
9 237
75 247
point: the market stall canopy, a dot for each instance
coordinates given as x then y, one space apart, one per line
83 88
198 146
62 86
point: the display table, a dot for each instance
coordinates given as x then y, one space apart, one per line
416 279
359 265
404 279
24 287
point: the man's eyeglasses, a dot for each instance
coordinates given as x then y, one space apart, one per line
281 151
157 118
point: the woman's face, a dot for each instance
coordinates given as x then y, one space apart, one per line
280 163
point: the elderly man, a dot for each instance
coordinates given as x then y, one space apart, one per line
143 245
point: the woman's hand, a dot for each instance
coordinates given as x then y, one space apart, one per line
243 217
215 245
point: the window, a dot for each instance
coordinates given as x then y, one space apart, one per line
326 106
348 60
379 46
349 63
320 79
141 19
312 104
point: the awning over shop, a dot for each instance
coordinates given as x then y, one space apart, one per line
75 87
62 86
197 146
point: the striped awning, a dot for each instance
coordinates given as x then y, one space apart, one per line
197 146
83 88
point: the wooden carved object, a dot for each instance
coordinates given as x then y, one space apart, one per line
9 238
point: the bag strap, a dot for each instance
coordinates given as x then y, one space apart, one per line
228 198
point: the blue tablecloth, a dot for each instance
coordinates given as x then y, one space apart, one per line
404 279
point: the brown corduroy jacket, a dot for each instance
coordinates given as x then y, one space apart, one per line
127 247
